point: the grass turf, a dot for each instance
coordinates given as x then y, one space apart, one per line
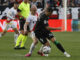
69 40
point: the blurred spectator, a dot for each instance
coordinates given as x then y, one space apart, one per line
37 3
19 1
34 2
4 2
11 3
54 3
73 3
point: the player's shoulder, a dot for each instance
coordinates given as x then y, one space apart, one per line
24 4
12 8
42 16
21 4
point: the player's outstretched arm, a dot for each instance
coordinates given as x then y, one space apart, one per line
50 28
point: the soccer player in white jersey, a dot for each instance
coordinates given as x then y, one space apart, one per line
11 16
31 21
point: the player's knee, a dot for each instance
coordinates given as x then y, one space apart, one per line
22 32
53 39
35 41
47 44
4 31
16 31
56 42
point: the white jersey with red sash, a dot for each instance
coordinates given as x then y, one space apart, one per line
32 19
10 18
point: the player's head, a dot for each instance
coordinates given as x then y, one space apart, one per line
34 0
26 1
16 4
48 11
33 9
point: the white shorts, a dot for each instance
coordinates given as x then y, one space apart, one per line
32 34
11 25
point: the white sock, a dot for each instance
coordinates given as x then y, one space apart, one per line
41 48
32 48
0 35
66 54
15 37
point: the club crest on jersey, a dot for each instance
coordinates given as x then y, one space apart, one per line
45 22
50 34
41 39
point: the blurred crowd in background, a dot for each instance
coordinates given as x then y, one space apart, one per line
11 2
71 3
38 3
73 11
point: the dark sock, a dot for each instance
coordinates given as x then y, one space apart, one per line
59 46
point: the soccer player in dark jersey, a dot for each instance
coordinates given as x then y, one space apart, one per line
42 31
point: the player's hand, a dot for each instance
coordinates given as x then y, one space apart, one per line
22 18
59 28
25 32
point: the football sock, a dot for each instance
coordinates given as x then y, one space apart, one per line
15 37
0 35
56 42
32 48
41 48
23 40
19 39
59 46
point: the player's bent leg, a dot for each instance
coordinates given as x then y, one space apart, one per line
32 47
60 47
5 30
19 39
16 31
3 33
40 52
24 38
23 41
35 42
17 46
16 34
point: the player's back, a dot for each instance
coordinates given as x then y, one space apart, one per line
42 22
11 13
32 21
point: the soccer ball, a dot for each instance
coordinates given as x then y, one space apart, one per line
46 49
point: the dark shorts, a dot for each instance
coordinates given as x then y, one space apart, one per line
43 36
21 23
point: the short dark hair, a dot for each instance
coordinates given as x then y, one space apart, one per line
16 2
49 9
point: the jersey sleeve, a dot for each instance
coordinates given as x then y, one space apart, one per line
9 15
46 23
20 8
44 20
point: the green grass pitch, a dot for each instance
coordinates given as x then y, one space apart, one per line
69 40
